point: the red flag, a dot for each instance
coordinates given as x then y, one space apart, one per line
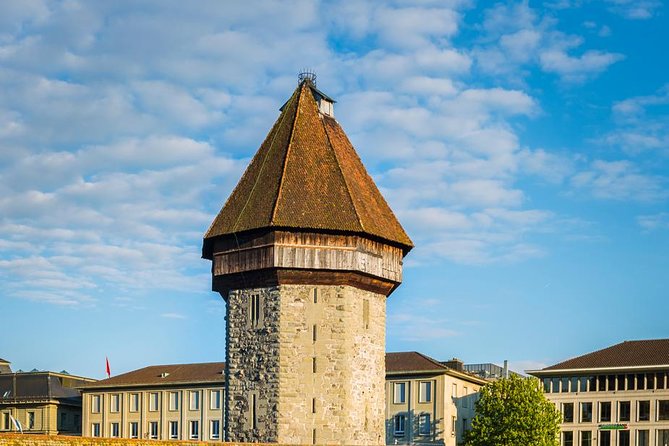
108 369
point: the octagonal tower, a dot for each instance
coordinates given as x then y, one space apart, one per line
305 252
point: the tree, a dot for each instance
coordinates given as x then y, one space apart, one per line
514 412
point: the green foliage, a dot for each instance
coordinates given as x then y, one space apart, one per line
514 412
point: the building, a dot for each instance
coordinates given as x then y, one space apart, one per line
428 402
617 396
305 252
43 402
161 402
489 371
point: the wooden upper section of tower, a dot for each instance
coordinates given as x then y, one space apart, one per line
307 177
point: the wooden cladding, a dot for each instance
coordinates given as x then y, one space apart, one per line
309 251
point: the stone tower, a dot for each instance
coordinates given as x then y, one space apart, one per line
305 252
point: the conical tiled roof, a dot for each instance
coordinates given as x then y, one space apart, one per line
307 176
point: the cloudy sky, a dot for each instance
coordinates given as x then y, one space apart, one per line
523 145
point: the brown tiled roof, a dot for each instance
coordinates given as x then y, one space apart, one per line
412 362
175 374
626 354
307 175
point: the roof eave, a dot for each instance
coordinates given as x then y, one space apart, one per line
583 370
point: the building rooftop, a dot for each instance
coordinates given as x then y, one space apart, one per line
307 176
166 375
630 354
417 363
39 385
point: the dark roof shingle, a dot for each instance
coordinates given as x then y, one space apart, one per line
166 374
626 354
412 362
307 175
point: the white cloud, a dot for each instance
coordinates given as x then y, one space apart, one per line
654 222
620 180
635 9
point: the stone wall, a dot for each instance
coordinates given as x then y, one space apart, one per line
62 440
315 364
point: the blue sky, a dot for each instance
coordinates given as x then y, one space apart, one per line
523 145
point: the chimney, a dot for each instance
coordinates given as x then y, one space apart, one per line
455 364
505 373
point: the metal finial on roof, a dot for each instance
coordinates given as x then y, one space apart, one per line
306 75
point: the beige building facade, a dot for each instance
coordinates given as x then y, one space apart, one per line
428 402
617 396
167 402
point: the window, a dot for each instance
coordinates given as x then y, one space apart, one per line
454 391
453 419
365 314
565 385
425 392
313 405
313 365
398 425
642 438
644 411
153 429
424 424
95 403
573 382
605 411
547 385
621 382
253 415
601 383
650 381
174 430
95 429
568 412
662 437
586 438
255 310
194 430
556 385
134 429
134 402
77 421
604 438
194 400
663 410
153 402
583 384
31 420
586 412
215 399
399 393
611 380
5 420
624 411
314 333
174 401
315 295
63 419
660 380
465 400
114 402
630 382
567 438
214 429
623 438
114 429
640 381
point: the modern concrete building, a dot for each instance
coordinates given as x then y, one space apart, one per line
42 402
162 402
428 402
305 252
617 396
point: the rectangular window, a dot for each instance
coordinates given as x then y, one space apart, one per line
642 438
95 429
604 438
314 333
624 411
624 438
63 419
547 385
255 310
621 382
365 314
399 393
313 405
315 295
650 381
583 384
565 385
586 412
114 430
643 411
425 392
662 437
640 381
586 438
663 410
568 412
611 382
453 420
194 400
194 430
114 402
556 385
215 399
424 424
454 391
95 403
174 401
153 402
601 383
313 365
214 429
660 380
398 425
5 421
134 429
174 430
153 429
573 383
567 438
605 411
31 420
630 382
254 411
134 402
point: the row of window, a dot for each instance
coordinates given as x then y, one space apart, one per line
152 431
134 398
29 422
641 437
624 412
606 383
425 390
424 424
